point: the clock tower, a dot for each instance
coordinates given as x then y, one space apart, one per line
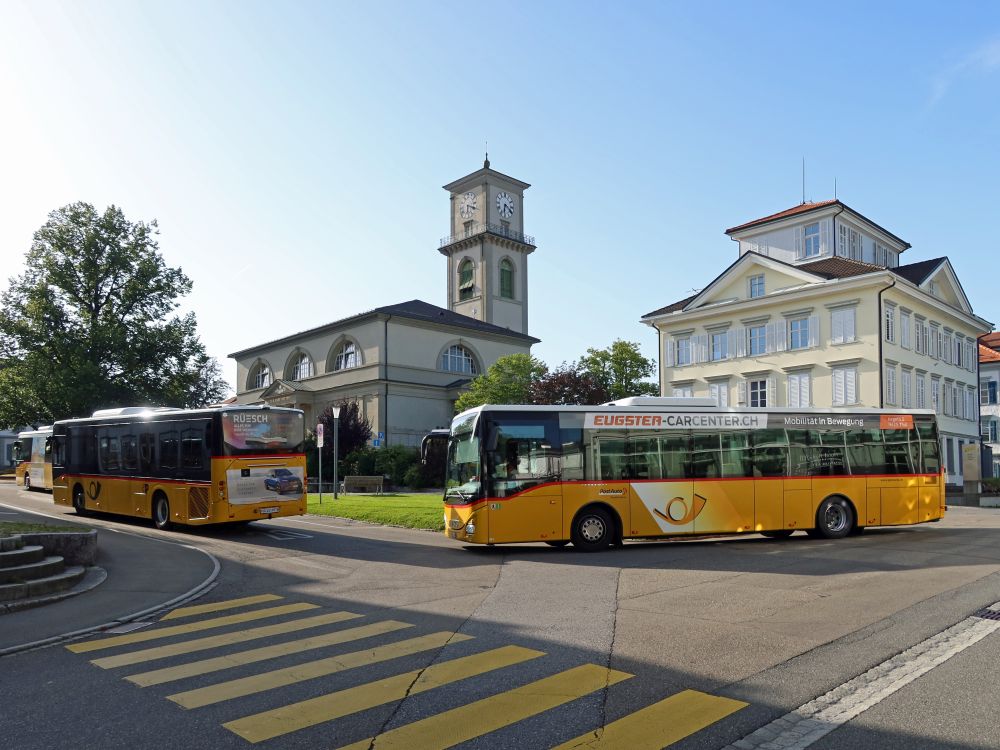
487 249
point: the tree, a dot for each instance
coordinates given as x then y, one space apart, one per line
507 381
620 370
566 386
354 432
91 324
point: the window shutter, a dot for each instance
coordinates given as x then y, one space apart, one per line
837 320
723 394
741 392
769 337
791 391
772 392
741 343
824 237
731 337
851 386
781 336
702 348
805 397
813 331
798 242
838 387
668 353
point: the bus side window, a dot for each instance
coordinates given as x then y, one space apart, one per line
770 453
58 450
146 452
168 450
130 453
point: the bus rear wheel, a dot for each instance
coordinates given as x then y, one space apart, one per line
79 502
161 512
592 530
834 519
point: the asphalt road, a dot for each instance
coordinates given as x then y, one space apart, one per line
422 643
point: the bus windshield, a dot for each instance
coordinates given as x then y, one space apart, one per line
262 432
462 483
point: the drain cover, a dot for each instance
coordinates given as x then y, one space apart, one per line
128 627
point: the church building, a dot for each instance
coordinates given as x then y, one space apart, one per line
405 364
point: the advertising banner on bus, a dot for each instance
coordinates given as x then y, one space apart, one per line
745 421
260 484
262 432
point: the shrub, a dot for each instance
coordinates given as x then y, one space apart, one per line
393 461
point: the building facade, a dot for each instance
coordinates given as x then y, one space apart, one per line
818 311
406 364
989 404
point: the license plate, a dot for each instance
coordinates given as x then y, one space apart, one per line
265 511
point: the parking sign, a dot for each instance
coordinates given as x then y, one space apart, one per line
319 435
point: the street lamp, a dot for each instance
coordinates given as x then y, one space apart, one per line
336 432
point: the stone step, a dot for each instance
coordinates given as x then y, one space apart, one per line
11 592
50 566
28 554
7 543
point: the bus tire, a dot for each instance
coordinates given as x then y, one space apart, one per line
558 543
79 501
593 530
777 533
27 482
161 511
835 518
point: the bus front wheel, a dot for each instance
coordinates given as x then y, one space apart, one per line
161 512
79 502
835 518
592 530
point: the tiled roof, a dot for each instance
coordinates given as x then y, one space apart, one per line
414 309
839 268
992 340
672 308
988 355
918 272
800 209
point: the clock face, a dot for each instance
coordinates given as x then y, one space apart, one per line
505 205
467 206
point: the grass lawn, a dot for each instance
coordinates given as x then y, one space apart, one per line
415 511
9 528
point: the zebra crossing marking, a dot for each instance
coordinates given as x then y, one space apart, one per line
258 683
238 636
660 724
192 669
200 609
475 719
307 713
191 627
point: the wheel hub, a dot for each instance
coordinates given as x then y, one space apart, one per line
592 529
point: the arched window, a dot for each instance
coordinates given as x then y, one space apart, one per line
457 359
303 367
466 286
260 376
506 279
347 357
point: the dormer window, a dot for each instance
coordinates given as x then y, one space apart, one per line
811 248
757 286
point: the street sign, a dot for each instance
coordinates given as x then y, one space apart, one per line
319 435
377 443
380 436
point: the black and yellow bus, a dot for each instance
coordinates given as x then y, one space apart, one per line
204 466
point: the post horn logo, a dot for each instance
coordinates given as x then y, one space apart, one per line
679 512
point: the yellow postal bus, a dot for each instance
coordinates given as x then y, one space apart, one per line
655 467
33 456
213 465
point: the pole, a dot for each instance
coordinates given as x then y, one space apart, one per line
336 434
319 449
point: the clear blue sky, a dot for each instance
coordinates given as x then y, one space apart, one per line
294 153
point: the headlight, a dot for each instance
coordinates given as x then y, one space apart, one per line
470 529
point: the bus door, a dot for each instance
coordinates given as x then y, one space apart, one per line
897 484
523 466
723 500
930 483
662 492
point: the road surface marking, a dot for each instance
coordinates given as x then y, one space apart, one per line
814 720
191 627
201 609
307 713
191 669
660 724
475 719
237 636
285 535
258 683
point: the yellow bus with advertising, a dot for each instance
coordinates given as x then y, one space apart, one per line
204 466
644 467
33 459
